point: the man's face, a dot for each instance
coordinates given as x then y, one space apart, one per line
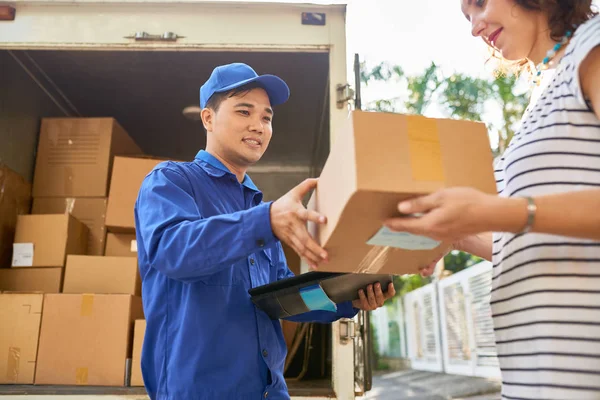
241 129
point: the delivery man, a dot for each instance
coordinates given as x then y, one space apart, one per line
205 237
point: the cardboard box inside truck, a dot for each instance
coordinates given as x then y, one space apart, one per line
15 200
20 317
127 177
378 160
136 358
97 274
91 211
121 245
86 339
75 156
45 280
46 240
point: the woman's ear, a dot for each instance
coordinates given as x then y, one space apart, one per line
207 116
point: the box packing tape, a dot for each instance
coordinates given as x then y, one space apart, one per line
87 305
81 376
13 361
375 259
425 149
69 205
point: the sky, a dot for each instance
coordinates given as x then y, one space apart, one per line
412 34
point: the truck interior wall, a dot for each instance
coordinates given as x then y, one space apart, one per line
22 104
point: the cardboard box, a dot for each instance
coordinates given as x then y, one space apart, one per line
86 339
378 160
46 240
15 200
20 317
121 245
75 156
91 211
136 358
107 275
127 177
44 280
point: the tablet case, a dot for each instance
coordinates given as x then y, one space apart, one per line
312 291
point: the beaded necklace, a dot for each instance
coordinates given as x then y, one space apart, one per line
545 64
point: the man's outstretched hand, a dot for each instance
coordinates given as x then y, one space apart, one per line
374 298
289 218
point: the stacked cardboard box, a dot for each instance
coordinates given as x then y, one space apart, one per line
87 288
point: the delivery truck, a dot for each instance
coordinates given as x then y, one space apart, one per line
142 63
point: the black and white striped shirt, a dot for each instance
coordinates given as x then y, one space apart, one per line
546 288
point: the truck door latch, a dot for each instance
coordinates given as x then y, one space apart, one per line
165 37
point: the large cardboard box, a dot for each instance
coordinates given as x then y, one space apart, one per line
45 280
15 200
127 177
20 317
75 156
86 339
46 240
121 245
91 211
378 160
106 275
136 358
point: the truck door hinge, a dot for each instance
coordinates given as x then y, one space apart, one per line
344 93
347 330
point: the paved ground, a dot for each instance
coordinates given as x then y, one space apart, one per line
422 385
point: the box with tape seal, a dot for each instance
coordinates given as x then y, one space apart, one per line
85 339
312 291
379 159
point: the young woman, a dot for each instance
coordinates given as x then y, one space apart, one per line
545 248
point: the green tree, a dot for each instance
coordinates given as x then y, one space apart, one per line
512 104
464 96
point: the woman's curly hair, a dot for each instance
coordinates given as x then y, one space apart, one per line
563 16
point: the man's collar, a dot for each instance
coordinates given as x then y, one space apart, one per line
217 168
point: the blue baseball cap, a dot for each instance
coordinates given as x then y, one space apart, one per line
231 76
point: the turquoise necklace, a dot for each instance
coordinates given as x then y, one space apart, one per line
545 64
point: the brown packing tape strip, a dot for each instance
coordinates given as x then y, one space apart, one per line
87 305
375 259
425 149
69 205
81 376
12 365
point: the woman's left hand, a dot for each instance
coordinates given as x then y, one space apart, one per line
449 214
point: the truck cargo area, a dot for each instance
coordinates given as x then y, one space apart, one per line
146 91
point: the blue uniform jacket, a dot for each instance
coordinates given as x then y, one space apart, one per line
204 239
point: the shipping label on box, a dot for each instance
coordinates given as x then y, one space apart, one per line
22 255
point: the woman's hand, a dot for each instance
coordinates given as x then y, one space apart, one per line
479 245
450 214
